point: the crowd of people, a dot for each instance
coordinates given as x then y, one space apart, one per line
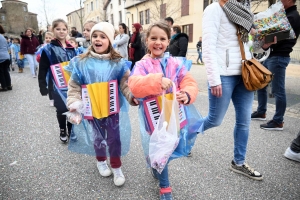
132 69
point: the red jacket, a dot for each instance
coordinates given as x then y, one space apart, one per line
29 45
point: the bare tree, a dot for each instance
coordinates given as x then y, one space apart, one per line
45 10
256 3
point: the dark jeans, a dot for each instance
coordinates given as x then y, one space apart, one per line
4 74
107 133
277 65
199 56
295 146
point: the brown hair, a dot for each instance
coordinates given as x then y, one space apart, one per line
176 28
17 40
160 25
90 22
113 54
1 29
57 21
28 29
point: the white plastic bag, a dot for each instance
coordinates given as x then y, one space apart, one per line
75 117
164 138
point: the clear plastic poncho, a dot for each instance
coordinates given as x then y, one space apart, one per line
106 134
173 68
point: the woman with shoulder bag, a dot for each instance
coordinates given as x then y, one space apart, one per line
222 57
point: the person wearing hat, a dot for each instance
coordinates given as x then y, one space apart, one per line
97 68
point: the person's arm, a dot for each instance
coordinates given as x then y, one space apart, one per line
123 40
183 44
74 87
22 47
44 67
125 89
189 85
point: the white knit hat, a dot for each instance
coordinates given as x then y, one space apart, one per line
106 28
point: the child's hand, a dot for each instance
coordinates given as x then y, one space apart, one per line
166 83
182 97
135 101
72 109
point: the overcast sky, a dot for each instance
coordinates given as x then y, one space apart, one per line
54 8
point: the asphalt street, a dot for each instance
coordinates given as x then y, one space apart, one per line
34 164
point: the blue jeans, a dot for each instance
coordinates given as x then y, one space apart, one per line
163 177
277 65
232 89
199 56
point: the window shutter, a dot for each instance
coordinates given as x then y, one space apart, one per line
163 11
191 33
185 6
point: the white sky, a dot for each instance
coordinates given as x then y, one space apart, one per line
54 9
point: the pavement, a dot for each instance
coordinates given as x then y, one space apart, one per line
34 164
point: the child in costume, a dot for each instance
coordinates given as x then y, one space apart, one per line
74 43
48 37
99 84
17 58
86 41
53 57
149 77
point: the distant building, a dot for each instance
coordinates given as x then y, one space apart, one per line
15 18
76 19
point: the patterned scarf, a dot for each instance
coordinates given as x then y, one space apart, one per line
239 13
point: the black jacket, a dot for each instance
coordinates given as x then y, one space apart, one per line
139 52
199 46
52 53
178 45
285 47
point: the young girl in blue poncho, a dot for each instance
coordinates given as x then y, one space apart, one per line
105 109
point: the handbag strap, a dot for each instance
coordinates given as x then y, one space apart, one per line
238 33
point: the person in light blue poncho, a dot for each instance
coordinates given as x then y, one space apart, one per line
99 84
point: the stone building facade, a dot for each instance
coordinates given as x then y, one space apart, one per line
15 18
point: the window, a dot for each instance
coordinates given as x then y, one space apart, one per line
87 8
120 16
24 8
98 19
185 6
147 13
188 29
111 7
96 4
112 19
142 17
92 6
119 2
205 3
3 18
25 18
163 11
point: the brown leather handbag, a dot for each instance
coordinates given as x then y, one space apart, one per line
255 75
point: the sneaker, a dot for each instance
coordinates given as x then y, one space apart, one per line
292 155
119 178
63 136
257 116
9 87
166 193
33 76
189 154
51 103
272 125
246 170
104 170
153 173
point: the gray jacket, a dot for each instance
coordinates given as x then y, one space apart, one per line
121 42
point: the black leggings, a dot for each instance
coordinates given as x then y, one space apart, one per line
4 74
60 109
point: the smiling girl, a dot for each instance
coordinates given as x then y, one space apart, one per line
58 51
100 75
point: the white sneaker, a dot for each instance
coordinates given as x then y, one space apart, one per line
51 102
119 178
103 168
292 155
33 76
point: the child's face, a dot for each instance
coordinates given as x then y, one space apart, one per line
60 31
16 41
48 39
73 43
157 42
87 29
100 42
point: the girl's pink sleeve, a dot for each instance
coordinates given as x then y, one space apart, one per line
145 85
188 84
